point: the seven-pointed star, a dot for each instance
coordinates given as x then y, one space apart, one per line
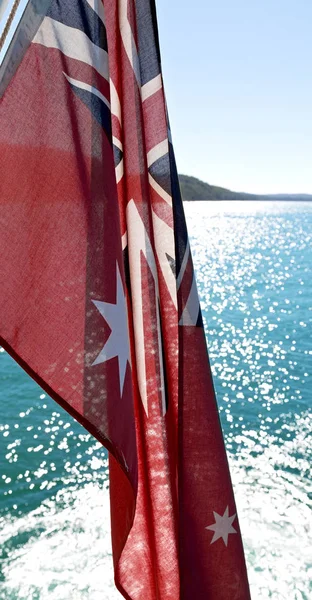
222 526
117 343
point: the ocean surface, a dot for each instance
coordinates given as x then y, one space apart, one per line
254 270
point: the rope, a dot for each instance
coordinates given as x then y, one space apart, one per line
8 24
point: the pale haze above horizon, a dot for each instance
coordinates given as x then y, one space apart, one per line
239 91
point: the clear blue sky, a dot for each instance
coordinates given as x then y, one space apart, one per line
238 80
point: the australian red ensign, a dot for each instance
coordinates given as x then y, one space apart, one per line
98 300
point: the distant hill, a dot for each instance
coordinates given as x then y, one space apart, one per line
195 189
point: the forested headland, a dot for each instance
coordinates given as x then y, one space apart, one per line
195 189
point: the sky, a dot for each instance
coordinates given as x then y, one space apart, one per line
238 85
239 91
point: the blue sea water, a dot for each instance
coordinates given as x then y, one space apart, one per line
253 262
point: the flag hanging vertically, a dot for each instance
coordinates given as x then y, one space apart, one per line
98 300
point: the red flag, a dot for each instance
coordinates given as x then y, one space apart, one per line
98 298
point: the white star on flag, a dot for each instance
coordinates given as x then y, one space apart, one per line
222 526
117 343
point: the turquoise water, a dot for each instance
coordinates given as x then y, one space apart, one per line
253 263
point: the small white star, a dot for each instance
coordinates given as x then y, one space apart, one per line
118 340
222 526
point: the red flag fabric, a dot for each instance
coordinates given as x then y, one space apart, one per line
98 298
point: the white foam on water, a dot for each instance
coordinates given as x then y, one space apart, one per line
274 507
68 554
